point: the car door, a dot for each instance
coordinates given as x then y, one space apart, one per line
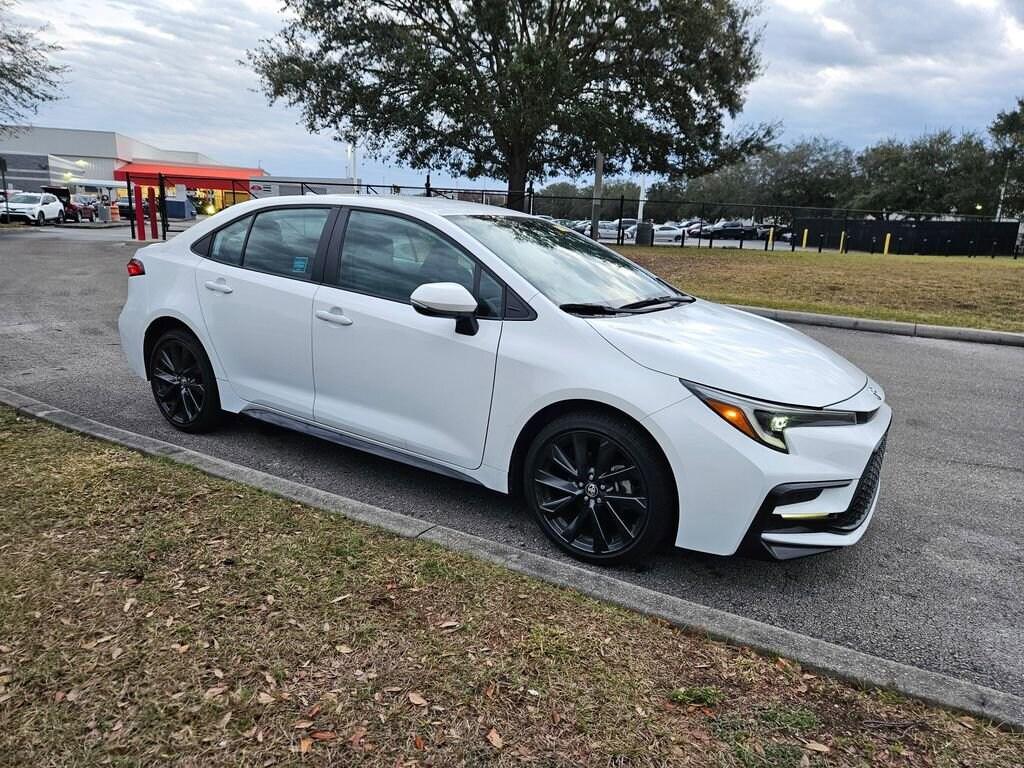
51 207
384 371
255 285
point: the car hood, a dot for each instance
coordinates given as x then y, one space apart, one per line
20 206
736 351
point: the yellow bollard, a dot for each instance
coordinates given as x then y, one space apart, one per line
885 249
804 243
842 240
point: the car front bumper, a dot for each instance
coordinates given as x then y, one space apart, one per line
737 493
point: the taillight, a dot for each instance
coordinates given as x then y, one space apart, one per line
135 268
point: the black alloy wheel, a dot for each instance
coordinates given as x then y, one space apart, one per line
183 382
598 489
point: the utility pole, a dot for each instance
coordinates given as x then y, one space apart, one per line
595 208
643 199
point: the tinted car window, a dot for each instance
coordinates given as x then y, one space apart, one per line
228 242
284 242
491 295
390 256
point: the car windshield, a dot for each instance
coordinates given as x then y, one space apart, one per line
566 267
25 198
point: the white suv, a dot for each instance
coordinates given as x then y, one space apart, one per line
511 352
33 207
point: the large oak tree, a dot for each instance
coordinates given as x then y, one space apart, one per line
522 89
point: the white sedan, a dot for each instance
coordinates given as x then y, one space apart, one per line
33 207
508 351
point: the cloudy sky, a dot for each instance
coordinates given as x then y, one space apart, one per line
166 71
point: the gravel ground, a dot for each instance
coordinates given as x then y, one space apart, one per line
935 583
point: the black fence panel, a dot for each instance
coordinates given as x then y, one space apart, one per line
971 237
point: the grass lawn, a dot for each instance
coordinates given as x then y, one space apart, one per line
150 614
977 293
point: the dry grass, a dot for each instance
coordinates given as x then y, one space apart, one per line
977 293
151 614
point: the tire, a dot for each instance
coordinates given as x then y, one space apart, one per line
620 520
60 217
183 382
41 219
78 217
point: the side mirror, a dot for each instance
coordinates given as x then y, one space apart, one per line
447 300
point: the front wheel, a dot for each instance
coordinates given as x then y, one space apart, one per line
183 382
599 488
40 219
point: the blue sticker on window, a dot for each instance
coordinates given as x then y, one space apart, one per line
299 263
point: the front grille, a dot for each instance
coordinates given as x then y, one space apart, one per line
864 494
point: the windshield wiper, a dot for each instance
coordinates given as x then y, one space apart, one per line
594 309
659 300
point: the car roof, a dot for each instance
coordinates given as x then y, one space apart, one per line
442 206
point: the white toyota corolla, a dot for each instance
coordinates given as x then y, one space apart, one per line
509 351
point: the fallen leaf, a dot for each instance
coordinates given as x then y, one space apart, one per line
200 590
416 699
58 696
218 674
805 760
448 624
418 742
180 648
302 724
495 739
817 746
324 735
340 598
115 653
265 698
270 679
357 736
73 695
304 745
224 721
129 604
212 693
343 649
93 643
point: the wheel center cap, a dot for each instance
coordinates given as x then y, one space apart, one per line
591 490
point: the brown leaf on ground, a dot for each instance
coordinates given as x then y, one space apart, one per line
305 745
817 746
324 735
415 698
302 724
495 739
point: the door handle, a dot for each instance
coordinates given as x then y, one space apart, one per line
219 286
334 315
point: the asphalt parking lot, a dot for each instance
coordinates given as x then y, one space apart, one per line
936 582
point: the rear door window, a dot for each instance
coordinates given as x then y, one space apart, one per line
228 242
285 241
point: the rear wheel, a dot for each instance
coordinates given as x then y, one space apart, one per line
183 382
599 488
60 217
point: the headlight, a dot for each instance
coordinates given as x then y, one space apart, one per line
766 422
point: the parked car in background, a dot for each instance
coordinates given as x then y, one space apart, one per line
498 348
731 230
80 208
33 207
123 208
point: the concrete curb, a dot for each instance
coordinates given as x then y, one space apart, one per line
953 333
855 666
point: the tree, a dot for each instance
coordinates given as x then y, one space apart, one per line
936 173
28 77
521 90
1007 132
